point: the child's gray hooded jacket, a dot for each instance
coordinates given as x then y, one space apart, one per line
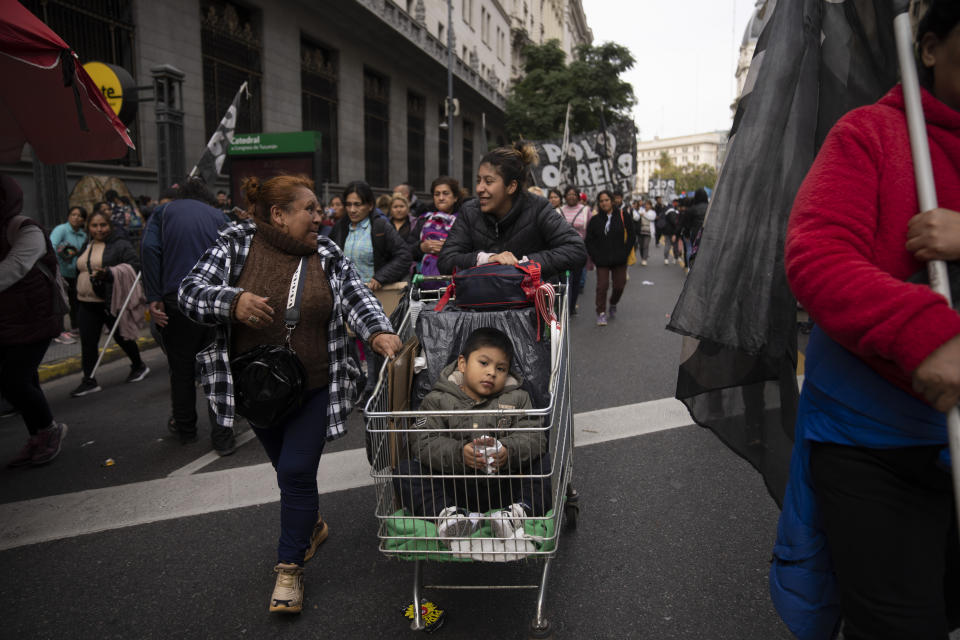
444 451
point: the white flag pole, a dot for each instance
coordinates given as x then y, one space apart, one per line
927 197
565 146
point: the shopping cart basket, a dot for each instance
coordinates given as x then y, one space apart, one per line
409 492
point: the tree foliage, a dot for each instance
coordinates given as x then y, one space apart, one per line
591 83
689 177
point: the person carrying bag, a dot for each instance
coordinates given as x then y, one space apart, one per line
269 378
234 287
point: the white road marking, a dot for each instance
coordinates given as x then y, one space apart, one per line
187 494
210 457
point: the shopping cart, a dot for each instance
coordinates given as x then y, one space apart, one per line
407 518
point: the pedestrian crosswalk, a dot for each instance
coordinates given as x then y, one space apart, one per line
188 493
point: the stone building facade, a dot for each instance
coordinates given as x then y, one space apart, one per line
701 148
538 21
369 75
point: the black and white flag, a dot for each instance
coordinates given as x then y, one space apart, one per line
814 61
593 161
211 162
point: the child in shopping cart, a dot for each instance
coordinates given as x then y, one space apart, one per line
488 448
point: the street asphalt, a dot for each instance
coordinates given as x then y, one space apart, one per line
673 541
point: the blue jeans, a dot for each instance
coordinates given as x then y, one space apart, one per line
294 449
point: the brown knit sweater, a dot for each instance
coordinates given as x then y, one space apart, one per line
273 258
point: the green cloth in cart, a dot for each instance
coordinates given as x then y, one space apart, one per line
407 533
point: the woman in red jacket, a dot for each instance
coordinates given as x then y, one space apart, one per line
883 362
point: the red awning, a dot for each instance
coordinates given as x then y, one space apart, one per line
47 99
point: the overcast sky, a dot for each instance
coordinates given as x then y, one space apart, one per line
686 52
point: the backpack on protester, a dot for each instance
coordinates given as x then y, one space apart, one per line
61 301
673 218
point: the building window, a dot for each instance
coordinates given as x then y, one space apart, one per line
376 127
231 47
103 33
318 94
440 32
468 168
443 147
484 25
416 140
468 11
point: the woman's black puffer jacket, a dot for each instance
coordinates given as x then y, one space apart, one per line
532 228
609 248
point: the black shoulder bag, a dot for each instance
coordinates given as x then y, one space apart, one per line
269 380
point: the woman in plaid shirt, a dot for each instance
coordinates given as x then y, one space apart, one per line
240 286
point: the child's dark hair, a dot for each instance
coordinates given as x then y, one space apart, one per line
487 337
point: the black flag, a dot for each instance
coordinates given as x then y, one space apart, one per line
211 162
814 61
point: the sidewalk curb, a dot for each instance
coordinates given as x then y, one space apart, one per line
52 370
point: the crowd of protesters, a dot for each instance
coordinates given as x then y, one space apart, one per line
868 530
208 266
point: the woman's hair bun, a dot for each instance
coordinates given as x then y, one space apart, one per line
528 153
251 189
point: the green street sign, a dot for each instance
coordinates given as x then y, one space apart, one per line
258 144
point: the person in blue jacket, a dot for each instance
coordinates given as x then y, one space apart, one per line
176 236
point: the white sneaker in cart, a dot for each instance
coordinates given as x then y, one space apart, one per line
453 524
505 523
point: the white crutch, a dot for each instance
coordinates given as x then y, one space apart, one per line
106 344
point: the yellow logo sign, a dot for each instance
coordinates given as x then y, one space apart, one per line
108 82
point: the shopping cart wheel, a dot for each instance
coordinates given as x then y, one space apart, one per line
545 633
571 508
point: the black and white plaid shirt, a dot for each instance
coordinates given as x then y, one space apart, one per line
206 296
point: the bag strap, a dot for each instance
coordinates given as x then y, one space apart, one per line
442 303
295 297
13 234
532 269
13 228
577 215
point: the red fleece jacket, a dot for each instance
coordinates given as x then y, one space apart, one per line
845 256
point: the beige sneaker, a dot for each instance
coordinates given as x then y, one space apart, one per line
320 533
288 591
